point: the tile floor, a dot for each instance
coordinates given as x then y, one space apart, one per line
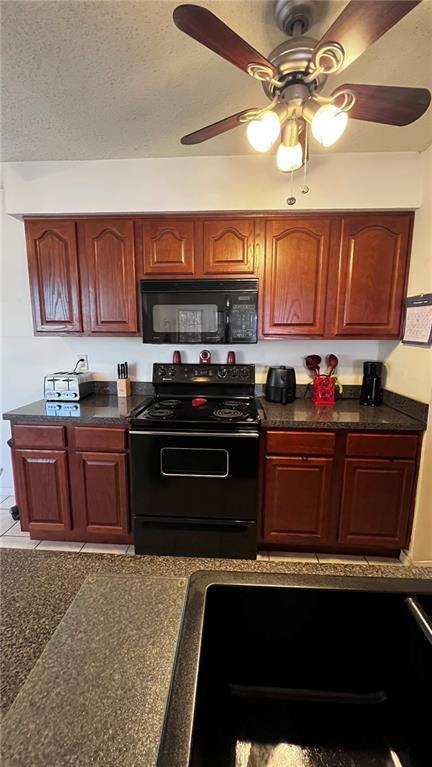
12 537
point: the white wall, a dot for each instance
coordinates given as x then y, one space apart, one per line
337 182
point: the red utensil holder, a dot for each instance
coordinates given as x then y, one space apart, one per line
323 390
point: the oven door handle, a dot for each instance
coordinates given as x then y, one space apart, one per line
199 521
249 435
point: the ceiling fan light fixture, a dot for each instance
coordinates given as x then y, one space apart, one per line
263 131
328 122
289 158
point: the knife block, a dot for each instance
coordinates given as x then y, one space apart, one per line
124 387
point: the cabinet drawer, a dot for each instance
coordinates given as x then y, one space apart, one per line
382 445
100 438
24 435
300 442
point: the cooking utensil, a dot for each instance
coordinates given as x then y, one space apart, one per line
332 363
312 362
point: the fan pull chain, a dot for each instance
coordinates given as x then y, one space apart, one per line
305 188
292 200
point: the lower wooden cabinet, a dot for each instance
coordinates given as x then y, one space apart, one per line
376 499
100 495
72 494
297 500
42 490
342 492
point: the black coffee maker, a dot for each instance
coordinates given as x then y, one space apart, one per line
371 390
280 385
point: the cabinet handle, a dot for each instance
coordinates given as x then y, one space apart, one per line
257 256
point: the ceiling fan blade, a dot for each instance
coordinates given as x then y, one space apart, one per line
361 23
388 104
206 28
203 134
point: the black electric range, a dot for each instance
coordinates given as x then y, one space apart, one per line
194 455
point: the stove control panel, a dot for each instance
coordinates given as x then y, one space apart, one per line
204 374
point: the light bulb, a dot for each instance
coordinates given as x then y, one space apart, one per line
328 124
289 157
264 131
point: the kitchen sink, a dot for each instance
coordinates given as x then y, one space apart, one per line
303 677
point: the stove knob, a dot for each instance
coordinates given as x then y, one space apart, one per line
162 372
244 372
171 372
234 373
222 372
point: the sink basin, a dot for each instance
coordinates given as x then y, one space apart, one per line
302 677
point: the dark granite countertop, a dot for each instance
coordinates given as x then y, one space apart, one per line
344 414
301 414
97 693
96 409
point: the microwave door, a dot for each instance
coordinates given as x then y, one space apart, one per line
184 318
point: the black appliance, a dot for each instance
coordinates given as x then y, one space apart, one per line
280 385
200 311
371 390
194 457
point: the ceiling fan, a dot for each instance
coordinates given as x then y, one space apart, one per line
296 71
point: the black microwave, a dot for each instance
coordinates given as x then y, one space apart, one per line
199 311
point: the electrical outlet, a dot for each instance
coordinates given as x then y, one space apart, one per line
83 365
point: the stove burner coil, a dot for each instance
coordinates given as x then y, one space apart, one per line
231 403
170 403
228 413
159 412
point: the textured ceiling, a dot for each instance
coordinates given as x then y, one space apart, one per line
95 80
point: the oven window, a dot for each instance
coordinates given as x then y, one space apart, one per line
187 321
194 462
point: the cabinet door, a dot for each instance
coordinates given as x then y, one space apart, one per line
376 502
100 497
42 485
53 271
297 500
107 262
295 281
372 269
167 245
228 246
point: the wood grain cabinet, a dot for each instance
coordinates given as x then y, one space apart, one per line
295 280
71 493
297 500
53 271
228 246
109 285
100 496
167 246
376 501
42 491
371 275
357 500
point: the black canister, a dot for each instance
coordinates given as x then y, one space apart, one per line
371 390
280 385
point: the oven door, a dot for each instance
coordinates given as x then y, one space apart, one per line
184 317
194 475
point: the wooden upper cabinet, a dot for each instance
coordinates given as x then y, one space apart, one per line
295 280
53 271
107 263
167 246
228 246
372 271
